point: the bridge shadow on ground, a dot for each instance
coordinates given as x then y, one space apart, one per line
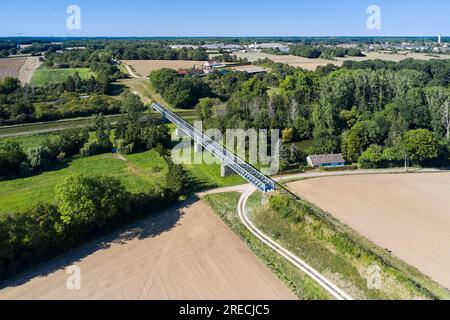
153 226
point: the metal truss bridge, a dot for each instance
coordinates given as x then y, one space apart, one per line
255 177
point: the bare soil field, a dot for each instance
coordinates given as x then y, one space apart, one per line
28 68
407 214
21 68
312 64
144 67
180 254
396 57
10 67
305 63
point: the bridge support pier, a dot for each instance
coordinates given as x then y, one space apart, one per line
179 133
226 171
264 199
198 147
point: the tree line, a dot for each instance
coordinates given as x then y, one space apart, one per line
314 52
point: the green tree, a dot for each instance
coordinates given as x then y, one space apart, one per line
421 145
358 138
88 201
11 158
371 158
9 85
176 179
204 108
39 158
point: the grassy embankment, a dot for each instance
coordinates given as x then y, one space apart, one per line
225 206
43 75
339 253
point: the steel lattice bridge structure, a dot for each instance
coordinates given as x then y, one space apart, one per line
249 173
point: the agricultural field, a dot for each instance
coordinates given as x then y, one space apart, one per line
139 173
312 64
144 67
10 67
181 253
405 213
28 69
43 75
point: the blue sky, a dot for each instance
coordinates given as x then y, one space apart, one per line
224 18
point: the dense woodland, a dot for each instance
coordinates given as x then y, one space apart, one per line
376 112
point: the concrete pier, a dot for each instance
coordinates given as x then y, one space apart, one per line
226 171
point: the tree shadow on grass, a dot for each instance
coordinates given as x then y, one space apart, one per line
151 227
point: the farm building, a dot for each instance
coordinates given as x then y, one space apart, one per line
208 66
326 160
250 69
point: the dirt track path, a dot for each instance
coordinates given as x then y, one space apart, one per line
187 254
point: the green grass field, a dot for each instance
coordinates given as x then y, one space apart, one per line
32 141
207 176
141 172
43 75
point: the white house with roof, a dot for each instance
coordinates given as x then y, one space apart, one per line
210 65
326 160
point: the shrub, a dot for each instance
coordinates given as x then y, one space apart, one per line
94 147
11 158
39 158
286 207
372 158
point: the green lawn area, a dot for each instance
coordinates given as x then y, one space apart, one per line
139 173
207 176
32 141
43 75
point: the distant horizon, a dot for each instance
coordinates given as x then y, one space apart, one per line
221 37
